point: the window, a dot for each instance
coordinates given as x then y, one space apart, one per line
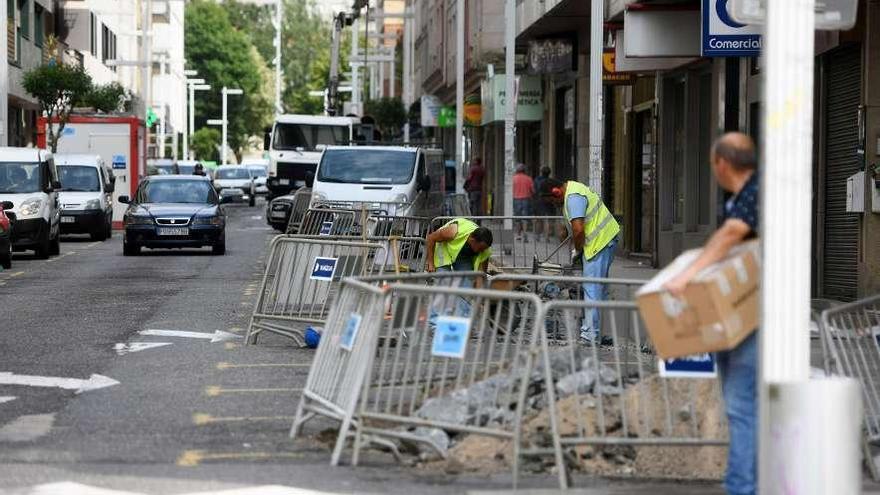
25 7
93 38
39 25
105 43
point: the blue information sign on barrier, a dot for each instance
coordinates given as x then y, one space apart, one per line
324 268
451 336
695 366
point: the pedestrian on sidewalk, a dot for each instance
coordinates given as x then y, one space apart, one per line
523 191
542 208
734 163
594 233
474 186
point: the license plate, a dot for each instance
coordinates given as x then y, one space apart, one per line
68 220
173 230
278 214
284 182
300 183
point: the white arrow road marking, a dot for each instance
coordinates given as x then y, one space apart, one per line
217 336
123 349
6 398
71 488
94 382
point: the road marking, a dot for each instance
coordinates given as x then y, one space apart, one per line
6 398
236 329
16 274
192 458
217 336
93 244
215 391
201 419
123 349
73 488
226 366
94 382
61 256
230 345
27 428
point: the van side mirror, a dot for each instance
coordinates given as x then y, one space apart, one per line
424 183
124 200
111 187
55 186
7 205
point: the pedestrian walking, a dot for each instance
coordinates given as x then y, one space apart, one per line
460 245
542 208
474 186
523 191
594 233
734 163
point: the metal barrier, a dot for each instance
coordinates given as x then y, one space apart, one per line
387 225
851 335
331 222
611 395
522 252
456 205
301 199
302 277
390 208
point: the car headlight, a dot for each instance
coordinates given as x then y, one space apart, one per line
214 220
93 204
401 198
318 196
137 220
30 208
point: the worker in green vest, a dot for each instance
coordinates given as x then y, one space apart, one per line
460 245
594 234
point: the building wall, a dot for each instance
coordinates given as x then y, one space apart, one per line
869 280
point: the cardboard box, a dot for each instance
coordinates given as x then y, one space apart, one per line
717 311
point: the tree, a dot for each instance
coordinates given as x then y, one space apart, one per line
389 114
224 56
57 87
205 144
106 98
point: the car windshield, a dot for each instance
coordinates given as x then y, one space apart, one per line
362 166
308 137
79 178
177 191
258 171
233 173
185 169
19 177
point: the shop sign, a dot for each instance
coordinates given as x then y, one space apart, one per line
529 102
430 110
725 37
550 56
609 70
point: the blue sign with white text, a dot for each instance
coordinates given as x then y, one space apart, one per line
349 333
695 366
326 228
450 336
724 37
119 161
323 269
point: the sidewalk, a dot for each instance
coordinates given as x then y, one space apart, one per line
632 268
634 488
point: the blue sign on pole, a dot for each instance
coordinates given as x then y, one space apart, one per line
724 37
695 366
119 161
326 228
450 336
323 269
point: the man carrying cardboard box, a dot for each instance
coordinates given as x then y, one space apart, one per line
734 163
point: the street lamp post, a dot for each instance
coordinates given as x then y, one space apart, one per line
188 108
226 92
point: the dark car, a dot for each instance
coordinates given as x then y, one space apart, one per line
174 211
6 235
278 211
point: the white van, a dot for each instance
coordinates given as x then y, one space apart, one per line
86 195
29 180
399 180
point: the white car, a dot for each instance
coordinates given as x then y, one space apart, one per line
260 173
29 179
87 195
235 183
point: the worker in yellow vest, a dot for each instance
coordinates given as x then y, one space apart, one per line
460 245
594 234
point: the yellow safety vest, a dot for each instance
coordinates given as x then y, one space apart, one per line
600 227
445 253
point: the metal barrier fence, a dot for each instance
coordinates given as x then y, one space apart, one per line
390 208
526 252
387 225
301 279
301 199
332 222
456 205
851 336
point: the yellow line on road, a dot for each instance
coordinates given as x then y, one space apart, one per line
61 256
16 274
226 366
201 419
215 391
192 458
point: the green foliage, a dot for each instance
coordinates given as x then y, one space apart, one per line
224 56
106 98
57 87
205 144
389 114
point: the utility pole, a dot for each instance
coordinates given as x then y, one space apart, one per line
355 71
459 96
162 114
225 145
147 68
597 27
407 68
279 108
4 81
510 97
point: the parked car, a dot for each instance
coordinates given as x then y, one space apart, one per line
235 183
162 166
278 212
29 179
86 196
187 167
6 235
260 173
175 211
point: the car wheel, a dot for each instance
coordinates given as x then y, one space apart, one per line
252 201
55 245
42 249
6 259
108 229
130 249
219 247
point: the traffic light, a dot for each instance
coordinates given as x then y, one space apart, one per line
151 118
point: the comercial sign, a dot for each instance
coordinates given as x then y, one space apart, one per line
529 102
431 106
725 37
549 56
323 269
609 70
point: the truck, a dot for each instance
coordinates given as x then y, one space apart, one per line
295 144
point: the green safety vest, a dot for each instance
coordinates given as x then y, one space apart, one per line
600 227
445 253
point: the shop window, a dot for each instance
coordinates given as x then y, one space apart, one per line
24 27
39 25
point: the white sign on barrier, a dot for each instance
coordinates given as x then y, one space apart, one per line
451 336
349 333
324 268
695 366
326 228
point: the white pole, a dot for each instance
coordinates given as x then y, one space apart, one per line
355 70
597 26
162 116
459 95
786 206
392 76
188 124
147 66
381 79
279 108
510 98
407 68
223 146
4 82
